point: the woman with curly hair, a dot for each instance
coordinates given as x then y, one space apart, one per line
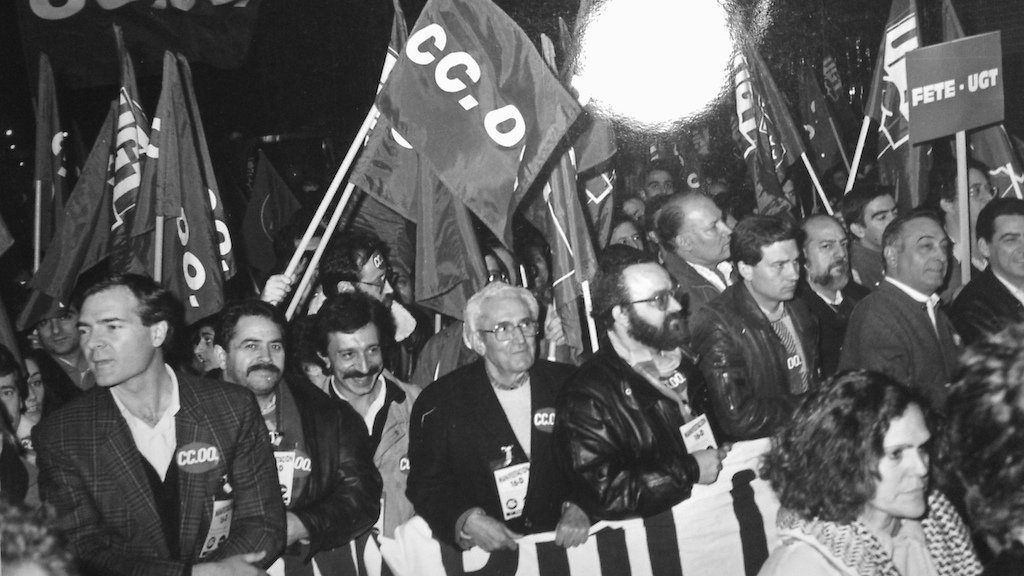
986 432
852 473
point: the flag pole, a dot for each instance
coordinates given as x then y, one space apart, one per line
964 243
158 247
346 163
37 228
588 309
856 155
839 142
817 184
319 252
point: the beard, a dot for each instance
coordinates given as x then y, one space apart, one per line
835 276
669 336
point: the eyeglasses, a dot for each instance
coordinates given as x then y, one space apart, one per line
378 283
635 238
504 331
661 299
976 189
498 277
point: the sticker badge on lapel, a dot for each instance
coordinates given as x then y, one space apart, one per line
544 419
197 457
303 464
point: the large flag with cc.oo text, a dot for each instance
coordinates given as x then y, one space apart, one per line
471 94
723 529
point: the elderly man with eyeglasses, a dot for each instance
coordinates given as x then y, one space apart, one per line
482 471
626 421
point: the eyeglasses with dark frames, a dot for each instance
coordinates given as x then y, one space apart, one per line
504 331
662 298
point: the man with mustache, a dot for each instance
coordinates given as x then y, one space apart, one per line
621 418
758 347
354 333
329 484
900 329
826 288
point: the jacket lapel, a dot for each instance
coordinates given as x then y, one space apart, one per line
491 420
118 452
191 489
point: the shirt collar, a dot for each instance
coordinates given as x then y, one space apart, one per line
932 300
1014 290
172 410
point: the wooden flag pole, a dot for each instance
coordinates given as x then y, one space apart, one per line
856 155
817 184
37 228
319 252
158 249
346 163
588 309
964 242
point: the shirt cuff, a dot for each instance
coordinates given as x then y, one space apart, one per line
461 538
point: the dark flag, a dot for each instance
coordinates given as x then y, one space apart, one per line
990 145
130 148
51 167
767 136
838 98
900 164
488 129
7 336
82 241
196 256
270 208
818 123
598 192
556 211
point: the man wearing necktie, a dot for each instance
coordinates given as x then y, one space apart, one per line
899 329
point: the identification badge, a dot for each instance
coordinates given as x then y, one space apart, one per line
220 526
285 474
512 483
697 434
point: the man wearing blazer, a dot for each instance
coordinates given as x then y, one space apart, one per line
899 329
154 471
482 469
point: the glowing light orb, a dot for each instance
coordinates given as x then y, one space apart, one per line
654 62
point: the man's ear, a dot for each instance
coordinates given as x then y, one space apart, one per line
947 206
221 354
325 359
889 254
475 341
158 333
858 230
619 315
345 286
745 270
984 248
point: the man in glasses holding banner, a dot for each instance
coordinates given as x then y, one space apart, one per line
483 472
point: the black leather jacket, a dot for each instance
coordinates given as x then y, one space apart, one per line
984 306
744 363
341 497
619 440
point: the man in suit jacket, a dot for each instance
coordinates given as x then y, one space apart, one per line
994 299
482 469
156 472
899 329
695 248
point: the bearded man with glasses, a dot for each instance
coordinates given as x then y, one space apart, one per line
626 421
482 469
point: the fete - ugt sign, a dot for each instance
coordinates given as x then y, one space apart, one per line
955 86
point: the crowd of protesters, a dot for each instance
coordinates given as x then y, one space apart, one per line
881 399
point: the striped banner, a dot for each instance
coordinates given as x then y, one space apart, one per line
727 528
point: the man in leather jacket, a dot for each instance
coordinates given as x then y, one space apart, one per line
330 487
620 418
994 299
758 347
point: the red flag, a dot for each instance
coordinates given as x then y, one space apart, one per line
82 241
473 97
270 208
900 164
838 97
767 136
50 169
991 145
818 123
197 255
130 148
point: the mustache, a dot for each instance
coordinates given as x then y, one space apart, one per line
371 371
266 366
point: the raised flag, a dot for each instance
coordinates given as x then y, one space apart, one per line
768 138
196 256
838 98
7 336
990 145
818 124
130 148
900 164
270 208
51 166
488 129
82 241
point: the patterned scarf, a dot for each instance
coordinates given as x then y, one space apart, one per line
854 546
